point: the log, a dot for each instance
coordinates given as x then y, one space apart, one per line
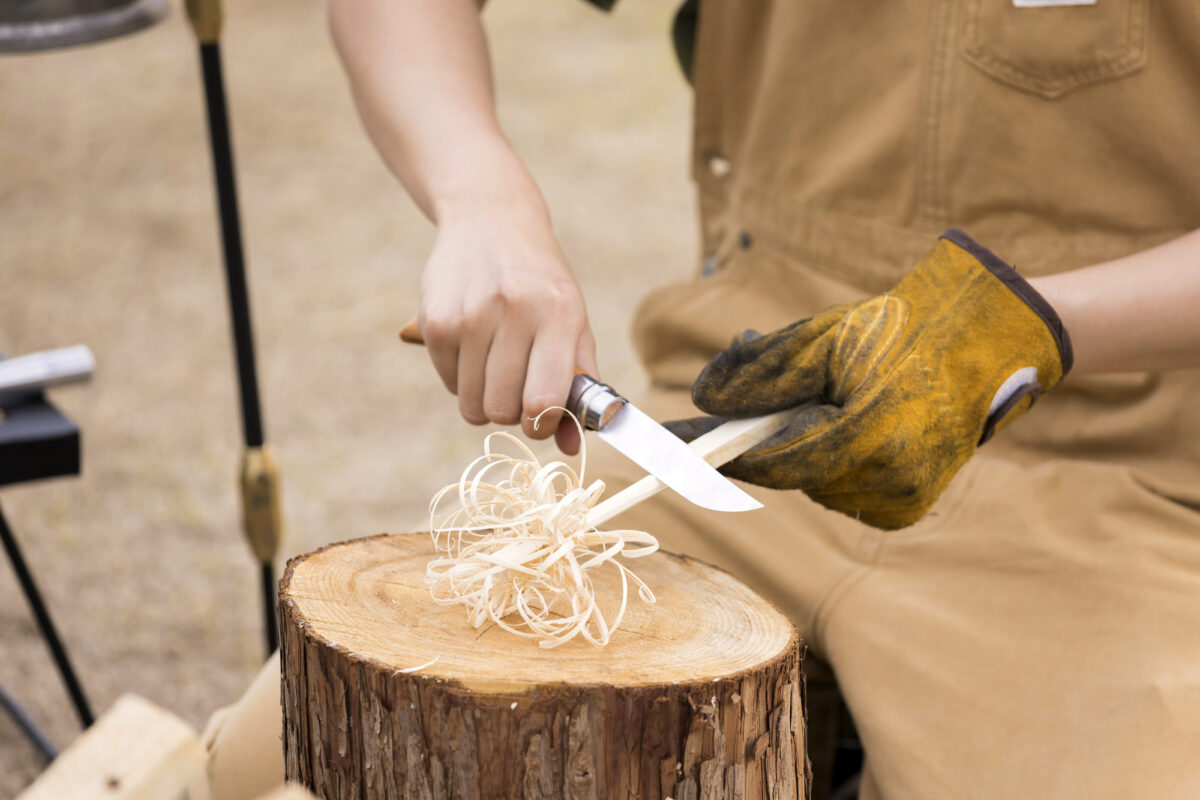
697 697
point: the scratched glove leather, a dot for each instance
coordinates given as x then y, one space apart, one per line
903 386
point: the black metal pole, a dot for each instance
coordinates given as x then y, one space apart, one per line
28 727
269 591
235 279
46 625
231 242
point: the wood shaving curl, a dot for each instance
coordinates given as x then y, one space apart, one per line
517 551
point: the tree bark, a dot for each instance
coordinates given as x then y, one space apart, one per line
697 697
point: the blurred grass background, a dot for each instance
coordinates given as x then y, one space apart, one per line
108 237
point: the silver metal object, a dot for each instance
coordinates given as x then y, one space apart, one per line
654 448
28 25
47 368
593 403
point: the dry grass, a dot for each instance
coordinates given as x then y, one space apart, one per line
108 238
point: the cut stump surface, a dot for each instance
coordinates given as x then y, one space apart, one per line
697 696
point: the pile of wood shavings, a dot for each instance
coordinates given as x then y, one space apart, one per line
518 551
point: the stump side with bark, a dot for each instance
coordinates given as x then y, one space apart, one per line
697 697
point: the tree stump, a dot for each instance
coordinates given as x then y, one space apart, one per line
697 697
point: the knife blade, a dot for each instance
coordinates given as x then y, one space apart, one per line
658 451
652 447
644 441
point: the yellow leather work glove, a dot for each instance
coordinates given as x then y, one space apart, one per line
903 386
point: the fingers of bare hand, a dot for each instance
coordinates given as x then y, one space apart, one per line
567 436
585 352
441 341
548 378
504 375
567 439
477 333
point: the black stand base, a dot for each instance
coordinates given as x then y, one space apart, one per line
27 726
46 625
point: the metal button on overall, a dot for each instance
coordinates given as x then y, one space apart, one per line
719 165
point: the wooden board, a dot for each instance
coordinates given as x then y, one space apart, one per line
135 751
696 695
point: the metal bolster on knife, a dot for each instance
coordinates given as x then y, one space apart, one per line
593 403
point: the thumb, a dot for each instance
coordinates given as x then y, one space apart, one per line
693 427
770 373
798 457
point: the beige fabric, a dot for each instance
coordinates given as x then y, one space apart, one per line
245 741
850 134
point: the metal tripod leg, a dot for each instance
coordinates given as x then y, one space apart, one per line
26 724
46 625
260 479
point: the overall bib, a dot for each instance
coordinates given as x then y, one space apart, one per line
1038 633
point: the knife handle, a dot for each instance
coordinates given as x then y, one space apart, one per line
593 403
411 333
721 444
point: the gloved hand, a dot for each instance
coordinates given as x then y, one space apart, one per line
903 387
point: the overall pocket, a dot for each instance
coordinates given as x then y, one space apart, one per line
1053 50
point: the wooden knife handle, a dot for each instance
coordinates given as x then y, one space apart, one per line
411 333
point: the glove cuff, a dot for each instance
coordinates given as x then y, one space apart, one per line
1021 288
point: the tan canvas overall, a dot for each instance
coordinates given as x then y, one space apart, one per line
1037 634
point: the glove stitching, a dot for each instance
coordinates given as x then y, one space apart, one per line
888 300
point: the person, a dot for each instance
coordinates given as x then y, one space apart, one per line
1009 618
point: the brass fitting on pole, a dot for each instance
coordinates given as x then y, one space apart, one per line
206 17
261 518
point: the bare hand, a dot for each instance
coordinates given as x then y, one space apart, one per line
504 321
